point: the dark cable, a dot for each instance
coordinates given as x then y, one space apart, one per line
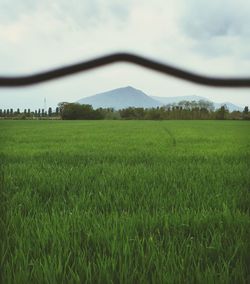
123 57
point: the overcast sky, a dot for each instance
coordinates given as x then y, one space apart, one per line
207 36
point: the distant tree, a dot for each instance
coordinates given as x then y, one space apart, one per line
203 104
108 113
57 111
50 112
194 105
18 111
154 114
39 112
1 112
246 113
78 111
188 105
222 112
61 106
128 113
36 113
133 113
8 113
43 113
236 115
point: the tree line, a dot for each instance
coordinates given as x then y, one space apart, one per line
183 110
27 113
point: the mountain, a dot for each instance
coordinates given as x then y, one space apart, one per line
171 100
131 97
121 98
229 105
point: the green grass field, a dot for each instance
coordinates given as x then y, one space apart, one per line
125 201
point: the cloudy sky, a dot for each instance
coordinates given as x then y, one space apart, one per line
207 36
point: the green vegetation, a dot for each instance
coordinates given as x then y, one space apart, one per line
125 201
75 111
184 110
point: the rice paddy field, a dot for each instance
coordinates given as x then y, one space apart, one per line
125 201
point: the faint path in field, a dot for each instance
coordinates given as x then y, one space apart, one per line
171 135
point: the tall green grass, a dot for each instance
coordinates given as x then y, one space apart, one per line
125 202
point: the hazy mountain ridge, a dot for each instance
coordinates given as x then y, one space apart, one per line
171 100
130 97
121 98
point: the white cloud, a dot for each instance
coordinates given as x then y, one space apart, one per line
206 36
208 19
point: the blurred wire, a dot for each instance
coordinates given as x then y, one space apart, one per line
18 81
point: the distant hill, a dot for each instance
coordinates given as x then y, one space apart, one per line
171 100
229 105
121 98
131 97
